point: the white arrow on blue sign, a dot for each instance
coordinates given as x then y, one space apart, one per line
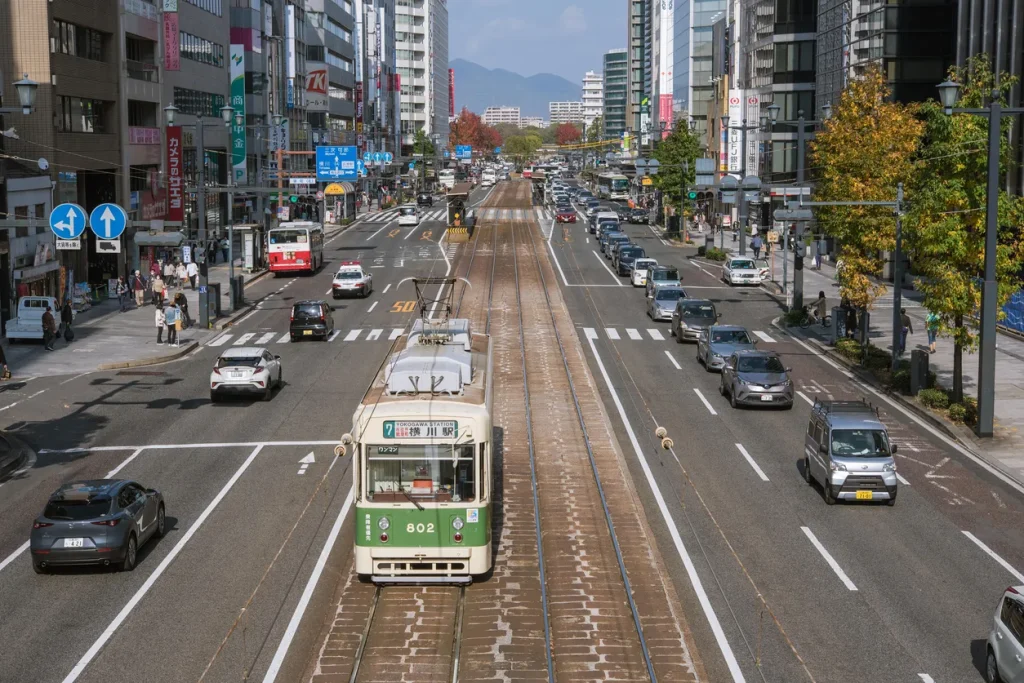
108 221
377 156
367 157
67 221
388 157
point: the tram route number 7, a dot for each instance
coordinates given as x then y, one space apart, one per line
422 429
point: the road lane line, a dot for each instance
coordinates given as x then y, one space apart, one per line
673 360
386 289
372 306
555 258
307 593
902 479
74 378
243 339
396 332
328 291
353 335
991 553
374 335
925 678
605 266
158 572
246 317
634 333
804 397
677 540
383 225
414 229
334 335
612 333
113 472
656 335
285 338
221 340
743 452
764 336
705 401
266 339
828 558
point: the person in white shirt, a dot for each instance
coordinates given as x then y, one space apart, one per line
182 274
193 271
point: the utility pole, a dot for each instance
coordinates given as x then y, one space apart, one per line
897 283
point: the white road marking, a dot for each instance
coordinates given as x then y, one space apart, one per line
305 462
244 338
73 378
334 335
705 401
414 229
386 289
605 266
395 333
804 397
372 306
612 333
266 339
13 556
656 335
328 291
925 678
285 338
383 225
247 316
677 541
764 336
991 553
673 360
902 479
221 340
828 558
750 460
158 572
374 334
554 257
634 333
353 335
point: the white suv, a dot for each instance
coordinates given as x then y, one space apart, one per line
1005 658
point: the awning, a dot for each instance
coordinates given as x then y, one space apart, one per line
339 188
36 272
159 239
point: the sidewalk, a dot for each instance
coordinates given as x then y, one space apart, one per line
1006 448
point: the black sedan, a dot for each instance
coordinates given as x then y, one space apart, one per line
638 216
96 521
424 199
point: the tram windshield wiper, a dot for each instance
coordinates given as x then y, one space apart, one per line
410 498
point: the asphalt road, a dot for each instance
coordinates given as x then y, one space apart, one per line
905 593
250 529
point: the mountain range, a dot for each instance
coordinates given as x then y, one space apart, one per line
477 87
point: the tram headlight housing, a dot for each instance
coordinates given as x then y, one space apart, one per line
457 523
383 524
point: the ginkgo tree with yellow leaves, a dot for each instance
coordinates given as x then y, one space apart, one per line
866 149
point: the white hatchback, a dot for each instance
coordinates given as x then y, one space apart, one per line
740 270
408 215
244 370
641 266
1004 659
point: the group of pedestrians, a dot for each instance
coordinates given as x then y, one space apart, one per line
171 319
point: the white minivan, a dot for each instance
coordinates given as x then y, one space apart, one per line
408 215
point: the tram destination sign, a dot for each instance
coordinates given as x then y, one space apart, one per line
421 429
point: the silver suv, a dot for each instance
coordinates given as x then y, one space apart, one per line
847 451
1005 651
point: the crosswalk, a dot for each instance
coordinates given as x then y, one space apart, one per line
262 338
392 214
651 334
540 214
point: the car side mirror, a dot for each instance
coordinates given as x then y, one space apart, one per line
789 369
717 316
277 357
823 448
894 448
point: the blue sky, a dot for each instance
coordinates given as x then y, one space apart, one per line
563 37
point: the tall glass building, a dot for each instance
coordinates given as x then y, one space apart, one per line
616 90
692 73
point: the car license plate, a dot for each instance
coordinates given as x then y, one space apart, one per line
301 262
863 495
309 332
74 542
766 397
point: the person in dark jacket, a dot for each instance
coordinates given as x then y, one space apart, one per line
49 329
66 317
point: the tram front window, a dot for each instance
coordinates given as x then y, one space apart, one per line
424 473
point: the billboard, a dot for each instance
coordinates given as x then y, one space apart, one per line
752 114
175 191
451 93
665 67
237 74
172 50
735 119
316 86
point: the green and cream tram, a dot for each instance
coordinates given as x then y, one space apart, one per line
422 459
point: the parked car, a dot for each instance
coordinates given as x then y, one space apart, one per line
661 305
29 322
691 317
759 378
1005 649
96 521
718 342
245 370
740 270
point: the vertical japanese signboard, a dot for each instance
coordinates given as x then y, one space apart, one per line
665 83
735 119
451 93
752 114
237 74
175 191
172 52
289 55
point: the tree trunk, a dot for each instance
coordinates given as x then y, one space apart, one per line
958 362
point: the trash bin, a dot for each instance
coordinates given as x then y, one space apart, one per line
213 300
918 371
237 291
838 329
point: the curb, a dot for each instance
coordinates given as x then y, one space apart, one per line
153 360
961 435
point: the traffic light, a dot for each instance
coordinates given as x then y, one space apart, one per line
691 195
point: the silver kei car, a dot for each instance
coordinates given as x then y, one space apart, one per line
98 522
718 342
756 378
661 305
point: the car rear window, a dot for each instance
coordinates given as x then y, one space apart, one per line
239 362
306 311
348 275
407 211
699 311
666 275
730 337
744 264
75 510
668 294
761 364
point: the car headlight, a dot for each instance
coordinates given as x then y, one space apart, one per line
837 467
457 523
889 468
383 524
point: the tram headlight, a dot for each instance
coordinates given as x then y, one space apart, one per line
383 524
458 523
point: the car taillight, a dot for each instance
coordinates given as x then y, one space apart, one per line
360 284
216 371
41 525
108 522
1011 589
323 317
291 318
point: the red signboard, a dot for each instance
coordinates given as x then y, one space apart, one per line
451 92
175 191
152 200
139 135
359 102
172 53
665 113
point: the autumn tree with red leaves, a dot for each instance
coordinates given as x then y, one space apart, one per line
567 134
469 129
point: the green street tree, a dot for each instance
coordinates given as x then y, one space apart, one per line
521 148
681 145
595 131
864 151
946 221
421 144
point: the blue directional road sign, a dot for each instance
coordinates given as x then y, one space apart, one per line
108 221
367 157
412 165
463 152
377 157
447 154
497 150
388 157
67 221
361 166
336 163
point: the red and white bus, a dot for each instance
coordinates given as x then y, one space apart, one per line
296 247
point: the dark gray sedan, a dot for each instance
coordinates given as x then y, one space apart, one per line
719 342
97 521
756 378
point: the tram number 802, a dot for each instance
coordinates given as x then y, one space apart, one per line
420 528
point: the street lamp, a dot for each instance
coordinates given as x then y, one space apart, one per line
743 173
949 92
227 113
26 89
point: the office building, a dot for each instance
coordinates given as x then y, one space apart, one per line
639 66
330 72
532 122
593 97
616 89
692 87
378 106
565 112
421 33
495 115
662 30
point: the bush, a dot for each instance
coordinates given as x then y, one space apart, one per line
795 317
957 412
934 398
714 254
970 410
901 381
701 249
849 348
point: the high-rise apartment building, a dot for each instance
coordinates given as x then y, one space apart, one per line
422 36
639 66
378 106
495 115
565 112
616 92
593 97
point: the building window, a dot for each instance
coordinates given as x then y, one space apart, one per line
211 6
79 115
338 92
339 30
76 41
791 103
334 59
794 62
201 50
315 53
198 103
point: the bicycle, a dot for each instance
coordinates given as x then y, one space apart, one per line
813 318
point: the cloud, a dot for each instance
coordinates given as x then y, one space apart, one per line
572 20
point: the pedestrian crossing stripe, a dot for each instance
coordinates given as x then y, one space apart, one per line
542 215
653 334
268 338
392 214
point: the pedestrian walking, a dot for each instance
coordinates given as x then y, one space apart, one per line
66 318
756 245
180 274
171 322
224 249
169 273
907 328
122 294
193 273
161 322
819 251
932 325
49 329
139 287
821 307
158 290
